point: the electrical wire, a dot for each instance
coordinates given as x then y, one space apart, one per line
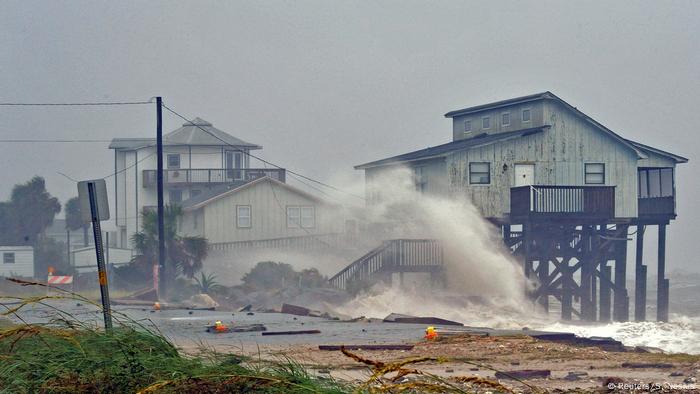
258 158
87 104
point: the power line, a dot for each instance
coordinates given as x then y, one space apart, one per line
26 141
261 159
88 104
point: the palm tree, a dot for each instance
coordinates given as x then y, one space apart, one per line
184 254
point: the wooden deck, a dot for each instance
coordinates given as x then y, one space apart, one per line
545 203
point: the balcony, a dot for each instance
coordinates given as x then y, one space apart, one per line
588 203
662 208
210 176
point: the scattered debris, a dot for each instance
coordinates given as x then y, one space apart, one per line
676 373
647 365
250 314
246 308
648 349
399 318
524 374
297 332
242 328
365 347
296 310
202 302
690 380
573 376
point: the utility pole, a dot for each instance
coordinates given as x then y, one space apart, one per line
163 275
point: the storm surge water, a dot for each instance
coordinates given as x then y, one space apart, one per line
485 285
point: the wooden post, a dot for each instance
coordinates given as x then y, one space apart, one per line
566 294
621 300
543 273
605 273
662 285
640 280
587 311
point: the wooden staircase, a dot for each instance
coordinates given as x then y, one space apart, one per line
396 255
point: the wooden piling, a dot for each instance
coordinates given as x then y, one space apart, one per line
621 300
662 285
640 280
606 273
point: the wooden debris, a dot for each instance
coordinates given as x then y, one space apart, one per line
297 332
647 365
524 374
365 347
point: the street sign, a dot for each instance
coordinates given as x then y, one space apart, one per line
100 188
93 209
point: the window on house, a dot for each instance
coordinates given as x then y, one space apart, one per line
243 216
655 182
526 115
595 173
486 122
174 161
175 196
505 119
418 179
8 258
293 217
195 192
308 217
467 126
301 216
479 173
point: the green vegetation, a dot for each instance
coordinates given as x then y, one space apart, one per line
206 283
268 275
68 356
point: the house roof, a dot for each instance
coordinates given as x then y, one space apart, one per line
220 192
197 133
441 150
674 157
548 96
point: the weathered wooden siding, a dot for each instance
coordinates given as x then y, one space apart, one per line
536 112
559 154
269 217
655 160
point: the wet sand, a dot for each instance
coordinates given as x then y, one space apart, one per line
481 356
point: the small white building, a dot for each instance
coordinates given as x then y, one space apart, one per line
17 261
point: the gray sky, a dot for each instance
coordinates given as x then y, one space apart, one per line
325 85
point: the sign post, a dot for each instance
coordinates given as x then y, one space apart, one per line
94 208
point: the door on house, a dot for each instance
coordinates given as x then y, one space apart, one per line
524 174
234 165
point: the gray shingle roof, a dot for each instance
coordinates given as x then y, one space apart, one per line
436 151
188 134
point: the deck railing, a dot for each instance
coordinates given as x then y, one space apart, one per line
656 206
595 202
211 175
396 255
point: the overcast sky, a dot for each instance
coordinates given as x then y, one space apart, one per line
325 85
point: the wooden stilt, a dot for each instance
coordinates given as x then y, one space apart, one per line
566 291
543 274
621 300
662 285
605 272
640 280
587 311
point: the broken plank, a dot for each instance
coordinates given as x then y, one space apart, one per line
297 332
365 347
